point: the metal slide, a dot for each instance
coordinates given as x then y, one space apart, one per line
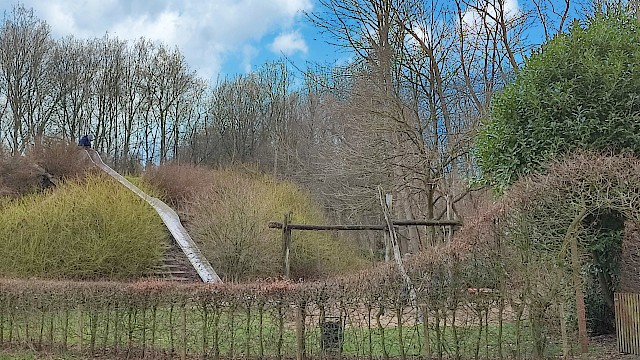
170 219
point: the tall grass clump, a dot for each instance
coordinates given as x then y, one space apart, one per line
44 166
178 183
60 159
17 177
229 219
89 229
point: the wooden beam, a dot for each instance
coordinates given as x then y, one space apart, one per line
427 222
277 225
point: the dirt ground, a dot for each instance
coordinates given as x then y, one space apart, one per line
605 348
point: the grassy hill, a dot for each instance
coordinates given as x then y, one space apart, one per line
84 229
91 227
227 212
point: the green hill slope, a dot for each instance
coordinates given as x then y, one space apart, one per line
89 229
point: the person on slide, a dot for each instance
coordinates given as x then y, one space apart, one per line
85 141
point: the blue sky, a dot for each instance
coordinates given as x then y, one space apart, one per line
217 37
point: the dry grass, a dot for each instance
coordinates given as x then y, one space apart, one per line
18 177
230 220
60 159
178 183
227 212
44 166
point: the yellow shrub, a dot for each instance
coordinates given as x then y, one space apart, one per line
87 229
230 219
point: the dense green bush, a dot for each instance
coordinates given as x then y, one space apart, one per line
87 229
581 90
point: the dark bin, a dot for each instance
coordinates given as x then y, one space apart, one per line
332 334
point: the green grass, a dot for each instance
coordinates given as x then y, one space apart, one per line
32 355
238 334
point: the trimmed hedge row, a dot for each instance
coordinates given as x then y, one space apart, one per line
358 317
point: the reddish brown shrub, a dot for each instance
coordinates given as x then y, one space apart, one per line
60 159
178 182
19 177
630 259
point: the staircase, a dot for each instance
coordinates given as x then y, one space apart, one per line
175 266
170 218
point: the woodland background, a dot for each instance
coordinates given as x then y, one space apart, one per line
400 115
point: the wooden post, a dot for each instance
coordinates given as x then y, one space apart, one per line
387 236
425 325
580 305
387 247
380 227
300 325
396 248
80 327
286 245
183 350
449 213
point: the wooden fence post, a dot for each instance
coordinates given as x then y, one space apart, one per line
300 325
449 214
80 327
286 244
424 308
627 308
387 236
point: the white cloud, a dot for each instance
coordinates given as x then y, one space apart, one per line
292 7
421 34
248 53
164 28
61 20
474 20
207 32
289 43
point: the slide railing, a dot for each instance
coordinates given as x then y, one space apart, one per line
170 219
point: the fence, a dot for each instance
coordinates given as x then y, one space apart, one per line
628 322
286 227
270 320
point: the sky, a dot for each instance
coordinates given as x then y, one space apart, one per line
217 37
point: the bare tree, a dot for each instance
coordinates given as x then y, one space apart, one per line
74 65
25 48
133 96
168 79
422 81
551 17
251 118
